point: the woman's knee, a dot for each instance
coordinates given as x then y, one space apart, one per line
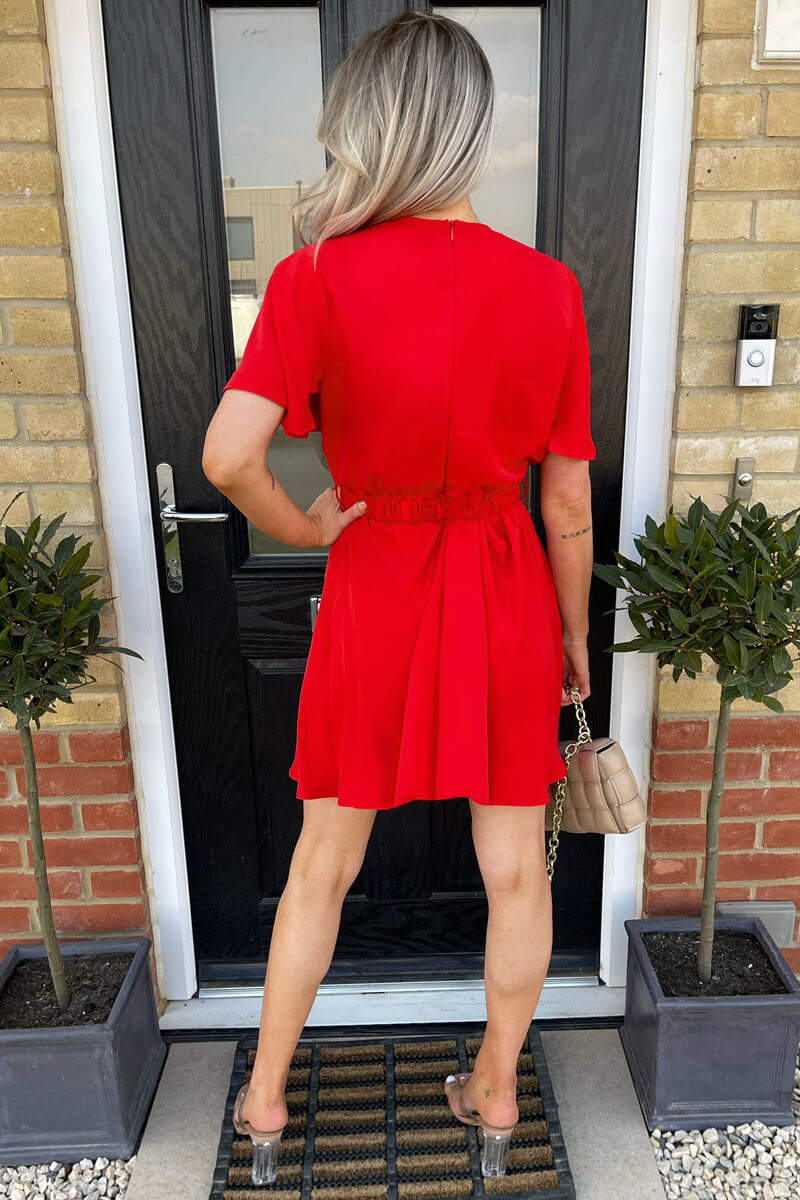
504 875
510 851
324 864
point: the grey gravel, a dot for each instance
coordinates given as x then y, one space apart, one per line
740 1162
92 1179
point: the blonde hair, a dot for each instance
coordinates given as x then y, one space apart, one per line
408 119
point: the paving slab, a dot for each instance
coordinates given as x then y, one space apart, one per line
178 1150
608 1145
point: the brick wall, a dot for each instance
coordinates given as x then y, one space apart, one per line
86 779
742 245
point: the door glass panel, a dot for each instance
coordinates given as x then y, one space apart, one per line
510 38
268 79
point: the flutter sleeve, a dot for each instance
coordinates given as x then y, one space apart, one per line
570 433
284 355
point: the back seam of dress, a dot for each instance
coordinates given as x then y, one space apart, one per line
452 352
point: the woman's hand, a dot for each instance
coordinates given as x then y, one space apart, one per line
328 519
576 666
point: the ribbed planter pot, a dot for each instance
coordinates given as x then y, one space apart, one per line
81 1091
702 1061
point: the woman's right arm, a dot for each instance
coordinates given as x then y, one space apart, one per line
566 506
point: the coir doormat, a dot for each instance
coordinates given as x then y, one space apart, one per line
369 1120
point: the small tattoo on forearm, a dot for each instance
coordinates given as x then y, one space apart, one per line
577 532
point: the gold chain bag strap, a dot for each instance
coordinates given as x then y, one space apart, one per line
598 794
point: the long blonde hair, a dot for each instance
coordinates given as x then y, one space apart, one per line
409 121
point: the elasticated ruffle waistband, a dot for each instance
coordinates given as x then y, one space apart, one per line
437 506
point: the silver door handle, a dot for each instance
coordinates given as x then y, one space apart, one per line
168 513
170 521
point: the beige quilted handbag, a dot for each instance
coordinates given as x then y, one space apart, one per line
598 794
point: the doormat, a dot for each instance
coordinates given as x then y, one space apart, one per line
369 1120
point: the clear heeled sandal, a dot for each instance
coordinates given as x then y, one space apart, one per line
266 1143
496 1138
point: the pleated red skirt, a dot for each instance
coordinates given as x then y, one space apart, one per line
436 656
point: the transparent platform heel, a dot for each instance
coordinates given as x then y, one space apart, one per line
266 1143
496 1138
495 1152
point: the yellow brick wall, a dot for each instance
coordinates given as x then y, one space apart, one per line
45 439
742 245
85 770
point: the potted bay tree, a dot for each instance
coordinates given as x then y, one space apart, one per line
80 1045
712 1008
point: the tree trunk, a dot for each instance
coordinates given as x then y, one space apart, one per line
706 946
40 869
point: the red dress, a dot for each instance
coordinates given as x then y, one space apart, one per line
439 358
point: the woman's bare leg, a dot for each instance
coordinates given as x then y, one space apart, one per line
510 847
325 862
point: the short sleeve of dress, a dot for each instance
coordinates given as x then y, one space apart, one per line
570 433
284 355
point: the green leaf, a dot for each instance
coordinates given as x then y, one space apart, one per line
757 542
76 560
609 574
64 550
49 600
51 529
678 619
13 539
649 645
668 582
671 536
763 602
123 650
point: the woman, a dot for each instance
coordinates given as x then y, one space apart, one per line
439 358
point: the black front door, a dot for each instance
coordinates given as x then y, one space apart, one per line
215 110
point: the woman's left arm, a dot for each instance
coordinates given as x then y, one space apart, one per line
235 461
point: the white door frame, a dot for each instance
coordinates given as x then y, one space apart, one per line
80 95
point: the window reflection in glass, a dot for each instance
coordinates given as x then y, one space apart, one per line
268 76
510 38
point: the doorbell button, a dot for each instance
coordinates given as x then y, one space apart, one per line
755 345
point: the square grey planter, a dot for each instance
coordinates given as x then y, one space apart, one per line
701 1061
81 1091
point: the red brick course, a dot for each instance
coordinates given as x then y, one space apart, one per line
760 814
45 746
116 815
99 918
93 780
91 830
117 884
113 745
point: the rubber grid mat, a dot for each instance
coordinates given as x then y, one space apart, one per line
369 1120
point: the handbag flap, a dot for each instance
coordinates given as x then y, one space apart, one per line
603 795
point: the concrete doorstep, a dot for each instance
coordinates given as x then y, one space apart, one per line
607 1142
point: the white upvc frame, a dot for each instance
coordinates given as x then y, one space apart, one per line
80 94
